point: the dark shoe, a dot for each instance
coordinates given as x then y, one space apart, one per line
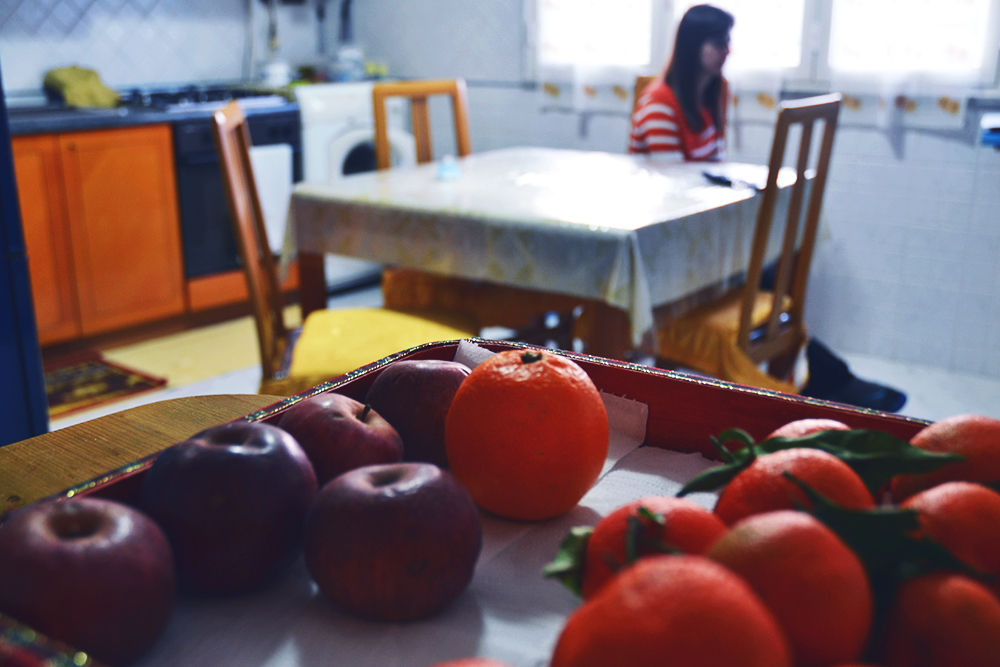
831 380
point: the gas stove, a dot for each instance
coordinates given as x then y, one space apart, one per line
200 98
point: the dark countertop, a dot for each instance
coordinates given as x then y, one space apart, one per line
25 120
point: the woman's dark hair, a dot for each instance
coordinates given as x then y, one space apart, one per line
700 24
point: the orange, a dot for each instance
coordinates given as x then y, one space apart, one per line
687 527
527 434
676 611
800 428
814 584
472 662
762 486
965 519
975 437
944 620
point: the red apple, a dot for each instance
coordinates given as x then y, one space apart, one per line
340 434
232 501
93 573
414 395
393 542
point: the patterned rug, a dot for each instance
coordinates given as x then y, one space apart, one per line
87 380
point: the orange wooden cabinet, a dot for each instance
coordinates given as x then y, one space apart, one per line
228 288
101 227
46 235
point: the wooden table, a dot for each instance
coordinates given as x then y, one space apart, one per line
39 467
623 230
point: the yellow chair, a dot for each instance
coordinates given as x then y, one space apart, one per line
731 337
640 85
520 309
330 342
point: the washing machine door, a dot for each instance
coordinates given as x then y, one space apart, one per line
353 151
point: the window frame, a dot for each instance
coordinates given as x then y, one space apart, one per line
814 71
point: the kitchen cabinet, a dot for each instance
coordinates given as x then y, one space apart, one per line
101 227
46 236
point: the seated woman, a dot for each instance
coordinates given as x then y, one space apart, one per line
682 115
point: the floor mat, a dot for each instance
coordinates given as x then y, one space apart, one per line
87 380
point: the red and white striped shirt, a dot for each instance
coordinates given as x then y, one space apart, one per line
659 127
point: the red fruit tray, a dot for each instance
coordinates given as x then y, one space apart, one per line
662 423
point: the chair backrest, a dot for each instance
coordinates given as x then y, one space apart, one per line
640 85
418 92
232 141
783 327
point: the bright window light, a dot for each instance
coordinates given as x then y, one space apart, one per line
594 32
766 35
894 36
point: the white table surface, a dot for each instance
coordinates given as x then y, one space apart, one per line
618 228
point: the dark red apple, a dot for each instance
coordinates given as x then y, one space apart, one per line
393 542
340 434
414 395
232 501
93 573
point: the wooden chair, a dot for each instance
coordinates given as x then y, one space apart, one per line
731 337
418 92
330 342
640 85
523 310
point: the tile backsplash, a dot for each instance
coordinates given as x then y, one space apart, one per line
129 42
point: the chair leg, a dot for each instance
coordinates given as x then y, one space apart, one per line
782 367
554 326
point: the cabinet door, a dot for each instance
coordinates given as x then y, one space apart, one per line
46 235
122 206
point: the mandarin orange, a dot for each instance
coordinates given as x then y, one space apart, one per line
944 620
800 428
673 611
975 437
965 518
527 434
815 585
763 487
687 527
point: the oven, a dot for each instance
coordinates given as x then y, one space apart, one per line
209 246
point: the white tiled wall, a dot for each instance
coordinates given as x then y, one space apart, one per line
147 42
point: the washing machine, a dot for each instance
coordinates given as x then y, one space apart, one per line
338 139
338 130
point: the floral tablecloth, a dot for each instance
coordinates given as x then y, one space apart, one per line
618 228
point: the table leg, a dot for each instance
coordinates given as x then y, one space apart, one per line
610 332
312 283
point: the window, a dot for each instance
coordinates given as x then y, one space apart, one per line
767 36
594 33
812 41
939 38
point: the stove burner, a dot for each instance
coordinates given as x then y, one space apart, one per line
195 98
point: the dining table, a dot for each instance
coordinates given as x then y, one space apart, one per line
638 235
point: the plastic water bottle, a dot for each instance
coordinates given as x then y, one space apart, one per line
448 169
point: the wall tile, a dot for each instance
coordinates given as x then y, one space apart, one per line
129 42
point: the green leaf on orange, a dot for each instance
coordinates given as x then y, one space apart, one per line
567 566
876 456
885 538
735 461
